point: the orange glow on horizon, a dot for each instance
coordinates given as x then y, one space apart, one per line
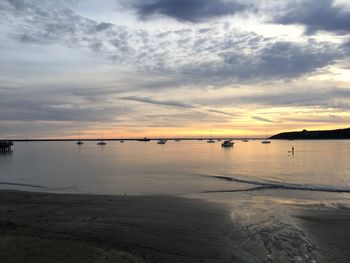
185 133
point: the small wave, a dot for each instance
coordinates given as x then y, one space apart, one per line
41 186
278 185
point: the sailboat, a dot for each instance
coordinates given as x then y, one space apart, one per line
101 143
266 141
245 139
162 141
177 139
211 139
79 142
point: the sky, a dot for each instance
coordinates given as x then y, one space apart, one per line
135 68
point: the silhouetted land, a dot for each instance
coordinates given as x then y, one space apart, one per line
314 135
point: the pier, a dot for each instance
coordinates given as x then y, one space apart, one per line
6 146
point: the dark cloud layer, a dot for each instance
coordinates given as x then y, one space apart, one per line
275 60
317 15
188 10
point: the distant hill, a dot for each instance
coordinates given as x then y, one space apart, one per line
314 135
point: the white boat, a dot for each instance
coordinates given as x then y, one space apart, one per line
101 143
266 141
210 141
227 144
161 141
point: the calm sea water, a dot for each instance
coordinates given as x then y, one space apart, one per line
185 167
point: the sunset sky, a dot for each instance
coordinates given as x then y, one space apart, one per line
172 67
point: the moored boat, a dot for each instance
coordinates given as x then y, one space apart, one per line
227 144
161 141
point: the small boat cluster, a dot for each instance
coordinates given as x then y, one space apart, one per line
225 143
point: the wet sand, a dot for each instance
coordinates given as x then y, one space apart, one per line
329 228
42 227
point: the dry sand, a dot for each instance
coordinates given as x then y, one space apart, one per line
41 227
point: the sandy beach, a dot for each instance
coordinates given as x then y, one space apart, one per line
40 227
46 227
329 228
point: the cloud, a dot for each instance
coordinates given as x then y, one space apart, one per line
277 60
327 98
59 106
18 4
158 102
318 119
177 104
317 15
80 70
200 55
222 112
261 119
103 26
188 10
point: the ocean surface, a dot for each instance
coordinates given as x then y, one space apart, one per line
181 168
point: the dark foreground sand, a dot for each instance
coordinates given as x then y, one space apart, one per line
40 227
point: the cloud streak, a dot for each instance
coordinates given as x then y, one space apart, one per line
261 119
176 104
